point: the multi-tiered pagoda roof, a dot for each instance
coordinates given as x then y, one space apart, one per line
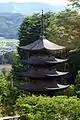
43 73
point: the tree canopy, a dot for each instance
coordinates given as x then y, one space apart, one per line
75 3
30 29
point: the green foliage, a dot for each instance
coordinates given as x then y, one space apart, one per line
46 108
74 89
64 29
70 91
27 29
75 3
9 58
30 29
8 95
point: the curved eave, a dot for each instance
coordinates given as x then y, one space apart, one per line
38 61
42 45
59 87
41 75
42 49
56 74
30 88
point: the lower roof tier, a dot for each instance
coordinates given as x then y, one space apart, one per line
41 74
43 61
38 87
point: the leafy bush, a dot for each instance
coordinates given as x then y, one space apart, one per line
46 108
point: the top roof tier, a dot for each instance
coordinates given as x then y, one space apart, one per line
42 44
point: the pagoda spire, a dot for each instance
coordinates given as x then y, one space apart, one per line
42 24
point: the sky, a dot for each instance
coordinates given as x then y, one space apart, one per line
29 7
51 2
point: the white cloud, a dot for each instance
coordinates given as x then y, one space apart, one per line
51 2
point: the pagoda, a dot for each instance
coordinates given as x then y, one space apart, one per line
42 74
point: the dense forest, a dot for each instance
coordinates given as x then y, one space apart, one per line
9 23
62 28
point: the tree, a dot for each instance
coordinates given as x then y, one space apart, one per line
64 29
30 29
9 58
8 94
75 3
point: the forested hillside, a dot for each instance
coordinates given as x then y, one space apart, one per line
9 24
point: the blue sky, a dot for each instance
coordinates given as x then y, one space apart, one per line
32 6
51 2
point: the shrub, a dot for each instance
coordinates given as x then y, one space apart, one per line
46 108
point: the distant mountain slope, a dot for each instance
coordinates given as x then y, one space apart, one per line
9 23
11 15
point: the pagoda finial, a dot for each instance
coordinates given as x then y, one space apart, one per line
42 24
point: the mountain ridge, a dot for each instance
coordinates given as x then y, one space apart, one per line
9 24
12 14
